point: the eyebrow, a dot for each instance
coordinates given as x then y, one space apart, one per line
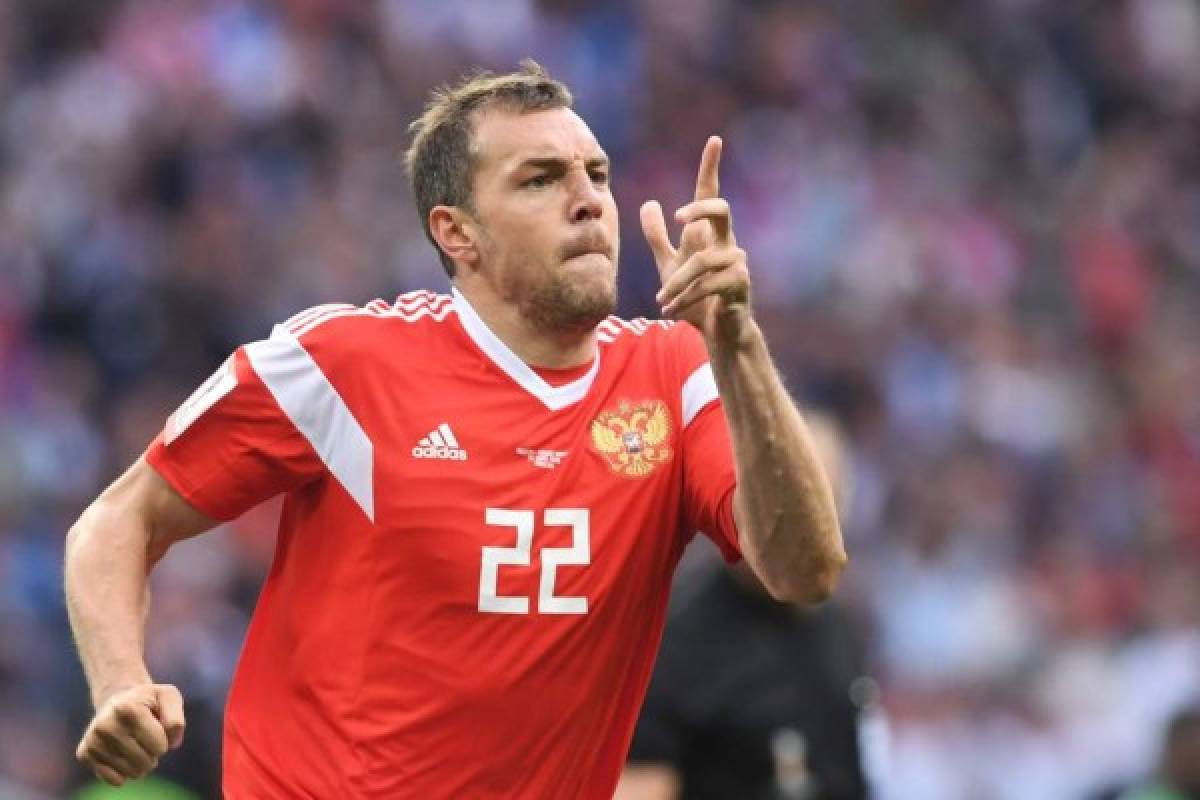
553 162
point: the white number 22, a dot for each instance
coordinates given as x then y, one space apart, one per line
579 553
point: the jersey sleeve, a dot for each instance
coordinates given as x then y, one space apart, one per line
708 469
230 445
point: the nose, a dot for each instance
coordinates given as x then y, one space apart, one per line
586 200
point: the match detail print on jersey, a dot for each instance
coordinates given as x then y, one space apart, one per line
219 384
542 457
318 412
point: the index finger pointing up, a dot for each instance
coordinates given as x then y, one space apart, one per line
707 182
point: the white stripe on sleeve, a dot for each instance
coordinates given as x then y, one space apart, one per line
699 390
318 412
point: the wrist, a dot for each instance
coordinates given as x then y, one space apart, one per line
105 692
733 331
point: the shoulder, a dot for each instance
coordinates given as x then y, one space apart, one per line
677 346
640 333
632 331
344 327
333 335
334 320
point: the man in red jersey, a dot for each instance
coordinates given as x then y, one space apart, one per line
486 492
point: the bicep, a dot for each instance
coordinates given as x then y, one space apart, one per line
142 494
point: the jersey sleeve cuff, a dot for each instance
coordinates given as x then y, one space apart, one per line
158 460
699 390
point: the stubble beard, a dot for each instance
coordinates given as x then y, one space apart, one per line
564 304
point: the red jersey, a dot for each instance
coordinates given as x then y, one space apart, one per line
473 563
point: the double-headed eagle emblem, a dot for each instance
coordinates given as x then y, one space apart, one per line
633 438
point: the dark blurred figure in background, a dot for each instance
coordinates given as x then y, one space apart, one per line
1178 773
753 699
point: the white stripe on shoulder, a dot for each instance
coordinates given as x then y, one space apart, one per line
321 319
613 327
307 314
316 409
408 307
699 390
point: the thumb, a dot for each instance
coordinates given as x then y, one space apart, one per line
655 229
169 710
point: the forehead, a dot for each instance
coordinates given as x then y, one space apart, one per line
504 138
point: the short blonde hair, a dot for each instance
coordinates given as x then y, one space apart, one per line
441 158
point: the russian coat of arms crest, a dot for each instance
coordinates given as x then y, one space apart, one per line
634 437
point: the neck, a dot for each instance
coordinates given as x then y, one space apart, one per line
535 346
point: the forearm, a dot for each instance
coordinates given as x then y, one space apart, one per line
788 526
107 562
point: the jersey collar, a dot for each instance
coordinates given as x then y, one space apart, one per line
554 398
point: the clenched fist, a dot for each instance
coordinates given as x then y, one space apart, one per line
131 731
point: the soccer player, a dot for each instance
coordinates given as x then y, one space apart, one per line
486 492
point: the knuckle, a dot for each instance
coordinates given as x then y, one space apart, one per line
93 754
108 737
110 722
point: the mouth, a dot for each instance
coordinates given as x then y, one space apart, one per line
588 246
601 253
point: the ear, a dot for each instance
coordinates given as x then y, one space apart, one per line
454 232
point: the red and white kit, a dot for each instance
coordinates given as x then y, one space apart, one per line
474 556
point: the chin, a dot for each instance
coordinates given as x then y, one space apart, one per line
577 303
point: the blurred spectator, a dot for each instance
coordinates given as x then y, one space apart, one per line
752 698
1178 773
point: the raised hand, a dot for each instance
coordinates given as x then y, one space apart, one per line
705 281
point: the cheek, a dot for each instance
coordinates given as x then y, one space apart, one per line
526 261
612 217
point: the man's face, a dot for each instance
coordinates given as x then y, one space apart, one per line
548 223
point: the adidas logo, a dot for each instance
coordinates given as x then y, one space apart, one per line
440 443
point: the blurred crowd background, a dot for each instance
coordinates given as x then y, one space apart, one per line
974 230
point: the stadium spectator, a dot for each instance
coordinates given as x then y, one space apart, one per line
1178 774
752 698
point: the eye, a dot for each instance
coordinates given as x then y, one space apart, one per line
537 182
600 177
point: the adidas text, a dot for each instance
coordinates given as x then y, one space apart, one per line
448 453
